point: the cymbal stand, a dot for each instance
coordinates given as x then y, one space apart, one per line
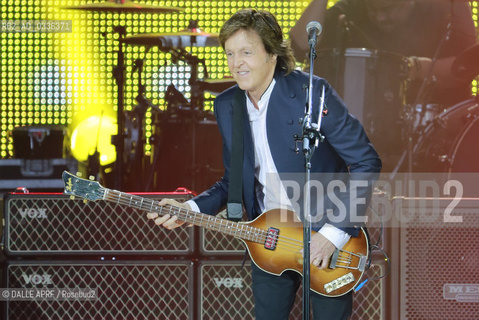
197 97
196 102
143 102
119 75
139 112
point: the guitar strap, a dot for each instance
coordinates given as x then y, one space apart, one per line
234 207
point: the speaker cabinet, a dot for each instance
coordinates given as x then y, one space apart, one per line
225 293
369 301
53 224
438 274
225 290
125 290
214 243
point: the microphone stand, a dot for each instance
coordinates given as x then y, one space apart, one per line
310 138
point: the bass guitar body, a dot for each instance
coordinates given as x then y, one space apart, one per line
346 266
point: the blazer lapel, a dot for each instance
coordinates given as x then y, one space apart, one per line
282 123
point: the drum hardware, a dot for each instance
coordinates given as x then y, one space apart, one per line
93 160
174 43
420 98
216 86
137 164
176 40
383 73
192 36
372 84
449 142
197 95
129 142
123 6
176 102
182 115
423 114
155 143
416 118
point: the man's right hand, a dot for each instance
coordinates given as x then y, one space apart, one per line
168 221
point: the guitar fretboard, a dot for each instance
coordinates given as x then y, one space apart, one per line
238 230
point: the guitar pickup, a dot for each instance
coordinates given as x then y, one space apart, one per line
339 282
271 238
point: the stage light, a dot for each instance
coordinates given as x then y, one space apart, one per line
94 133
81 90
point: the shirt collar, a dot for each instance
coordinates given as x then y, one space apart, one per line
255 114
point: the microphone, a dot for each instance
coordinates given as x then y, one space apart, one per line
313 28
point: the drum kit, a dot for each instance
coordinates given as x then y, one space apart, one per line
447 139
361 76
133 170
410 136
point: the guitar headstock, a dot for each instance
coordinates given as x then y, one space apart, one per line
86 189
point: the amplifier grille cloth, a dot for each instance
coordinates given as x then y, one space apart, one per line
215 242
53 225
126 291
226 290
433 258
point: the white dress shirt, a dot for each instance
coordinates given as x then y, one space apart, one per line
269 189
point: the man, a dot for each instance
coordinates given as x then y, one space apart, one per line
411 28
262 64
415 29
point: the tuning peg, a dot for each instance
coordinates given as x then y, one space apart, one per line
92 178
72 197
79 174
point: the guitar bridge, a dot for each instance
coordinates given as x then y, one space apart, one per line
343 259
271 238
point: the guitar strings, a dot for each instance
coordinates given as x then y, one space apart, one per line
286 243
178 211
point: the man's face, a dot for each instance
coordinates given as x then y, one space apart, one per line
249 63
388 15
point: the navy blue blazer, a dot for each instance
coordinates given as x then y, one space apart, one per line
346 147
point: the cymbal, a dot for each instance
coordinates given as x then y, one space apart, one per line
123 7
180 39
216 86
466 64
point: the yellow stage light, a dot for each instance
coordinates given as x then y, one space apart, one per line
87 134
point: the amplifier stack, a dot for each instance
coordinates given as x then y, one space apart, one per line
138 270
